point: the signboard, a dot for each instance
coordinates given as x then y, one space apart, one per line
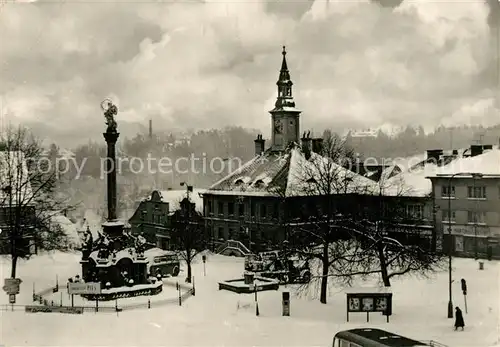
365 301
470 230
84 288
54 309
12 298
11 285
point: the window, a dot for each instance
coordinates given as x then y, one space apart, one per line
476 192
446 216
209 207
220 208
241 209
448 191
230 208
220 233
415 211
476 217
252 209
276 211
263 211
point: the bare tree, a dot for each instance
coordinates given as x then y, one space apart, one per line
28 198
396 240
187 231
317 226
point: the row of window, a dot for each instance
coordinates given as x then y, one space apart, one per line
240 207
472 217
154 218
473 192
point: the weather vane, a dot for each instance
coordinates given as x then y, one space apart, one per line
110 110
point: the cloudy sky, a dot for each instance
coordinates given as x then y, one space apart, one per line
203 64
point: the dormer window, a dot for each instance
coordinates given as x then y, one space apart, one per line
241 180
259 183
311 181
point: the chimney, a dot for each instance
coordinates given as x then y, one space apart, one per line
317 145
259 145
454 152
476 150
306 144
150 128
434 155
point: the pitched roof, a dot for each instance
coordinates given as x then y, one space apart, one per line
487 164
414 178
286 173
14 174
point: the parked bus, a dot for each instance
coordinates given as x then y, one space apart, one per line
376 338
162 262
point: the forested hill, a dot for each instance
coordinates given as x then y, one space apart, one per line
412 141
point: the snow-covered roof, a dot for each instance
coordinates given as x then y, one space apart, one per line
173 197
414 179
286 173
487 164
14 174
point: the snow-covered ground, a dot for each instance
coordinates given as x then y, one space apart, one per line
222 318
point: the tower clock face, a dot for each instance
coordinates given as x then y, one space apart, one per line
278 126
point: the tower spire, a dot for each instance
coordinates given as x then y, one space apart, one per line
285 95
284 73
285 117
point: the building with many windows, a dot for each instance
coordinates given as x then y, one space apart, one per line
467 199
255 203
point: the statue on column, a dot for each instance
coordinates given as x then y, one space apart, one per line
110 111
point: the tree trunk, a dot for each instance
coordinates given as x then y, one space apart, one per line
324 275
13 267
383 265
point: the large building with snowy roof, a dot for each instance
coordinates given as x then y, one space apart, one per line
251 203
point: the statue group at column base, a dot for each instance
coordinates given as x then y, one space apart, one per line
118 263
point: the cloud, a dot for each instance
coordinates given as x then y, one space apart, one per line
214 63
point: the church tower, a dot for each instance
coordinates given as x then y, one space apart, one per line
284 115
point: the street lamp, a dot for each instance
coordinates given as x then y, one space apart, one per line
450 280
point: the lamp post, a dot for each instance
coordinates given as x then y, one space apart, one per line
450 280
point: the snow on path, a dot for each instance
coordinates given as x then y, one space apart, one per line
221 318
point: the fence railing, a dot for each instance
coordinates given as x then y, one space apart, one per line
232 244
184 291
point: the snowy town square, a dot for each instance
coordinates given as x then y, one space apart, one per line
320 173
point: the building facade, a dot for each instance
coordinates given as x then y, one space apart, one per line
151 218
467 200
258 203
